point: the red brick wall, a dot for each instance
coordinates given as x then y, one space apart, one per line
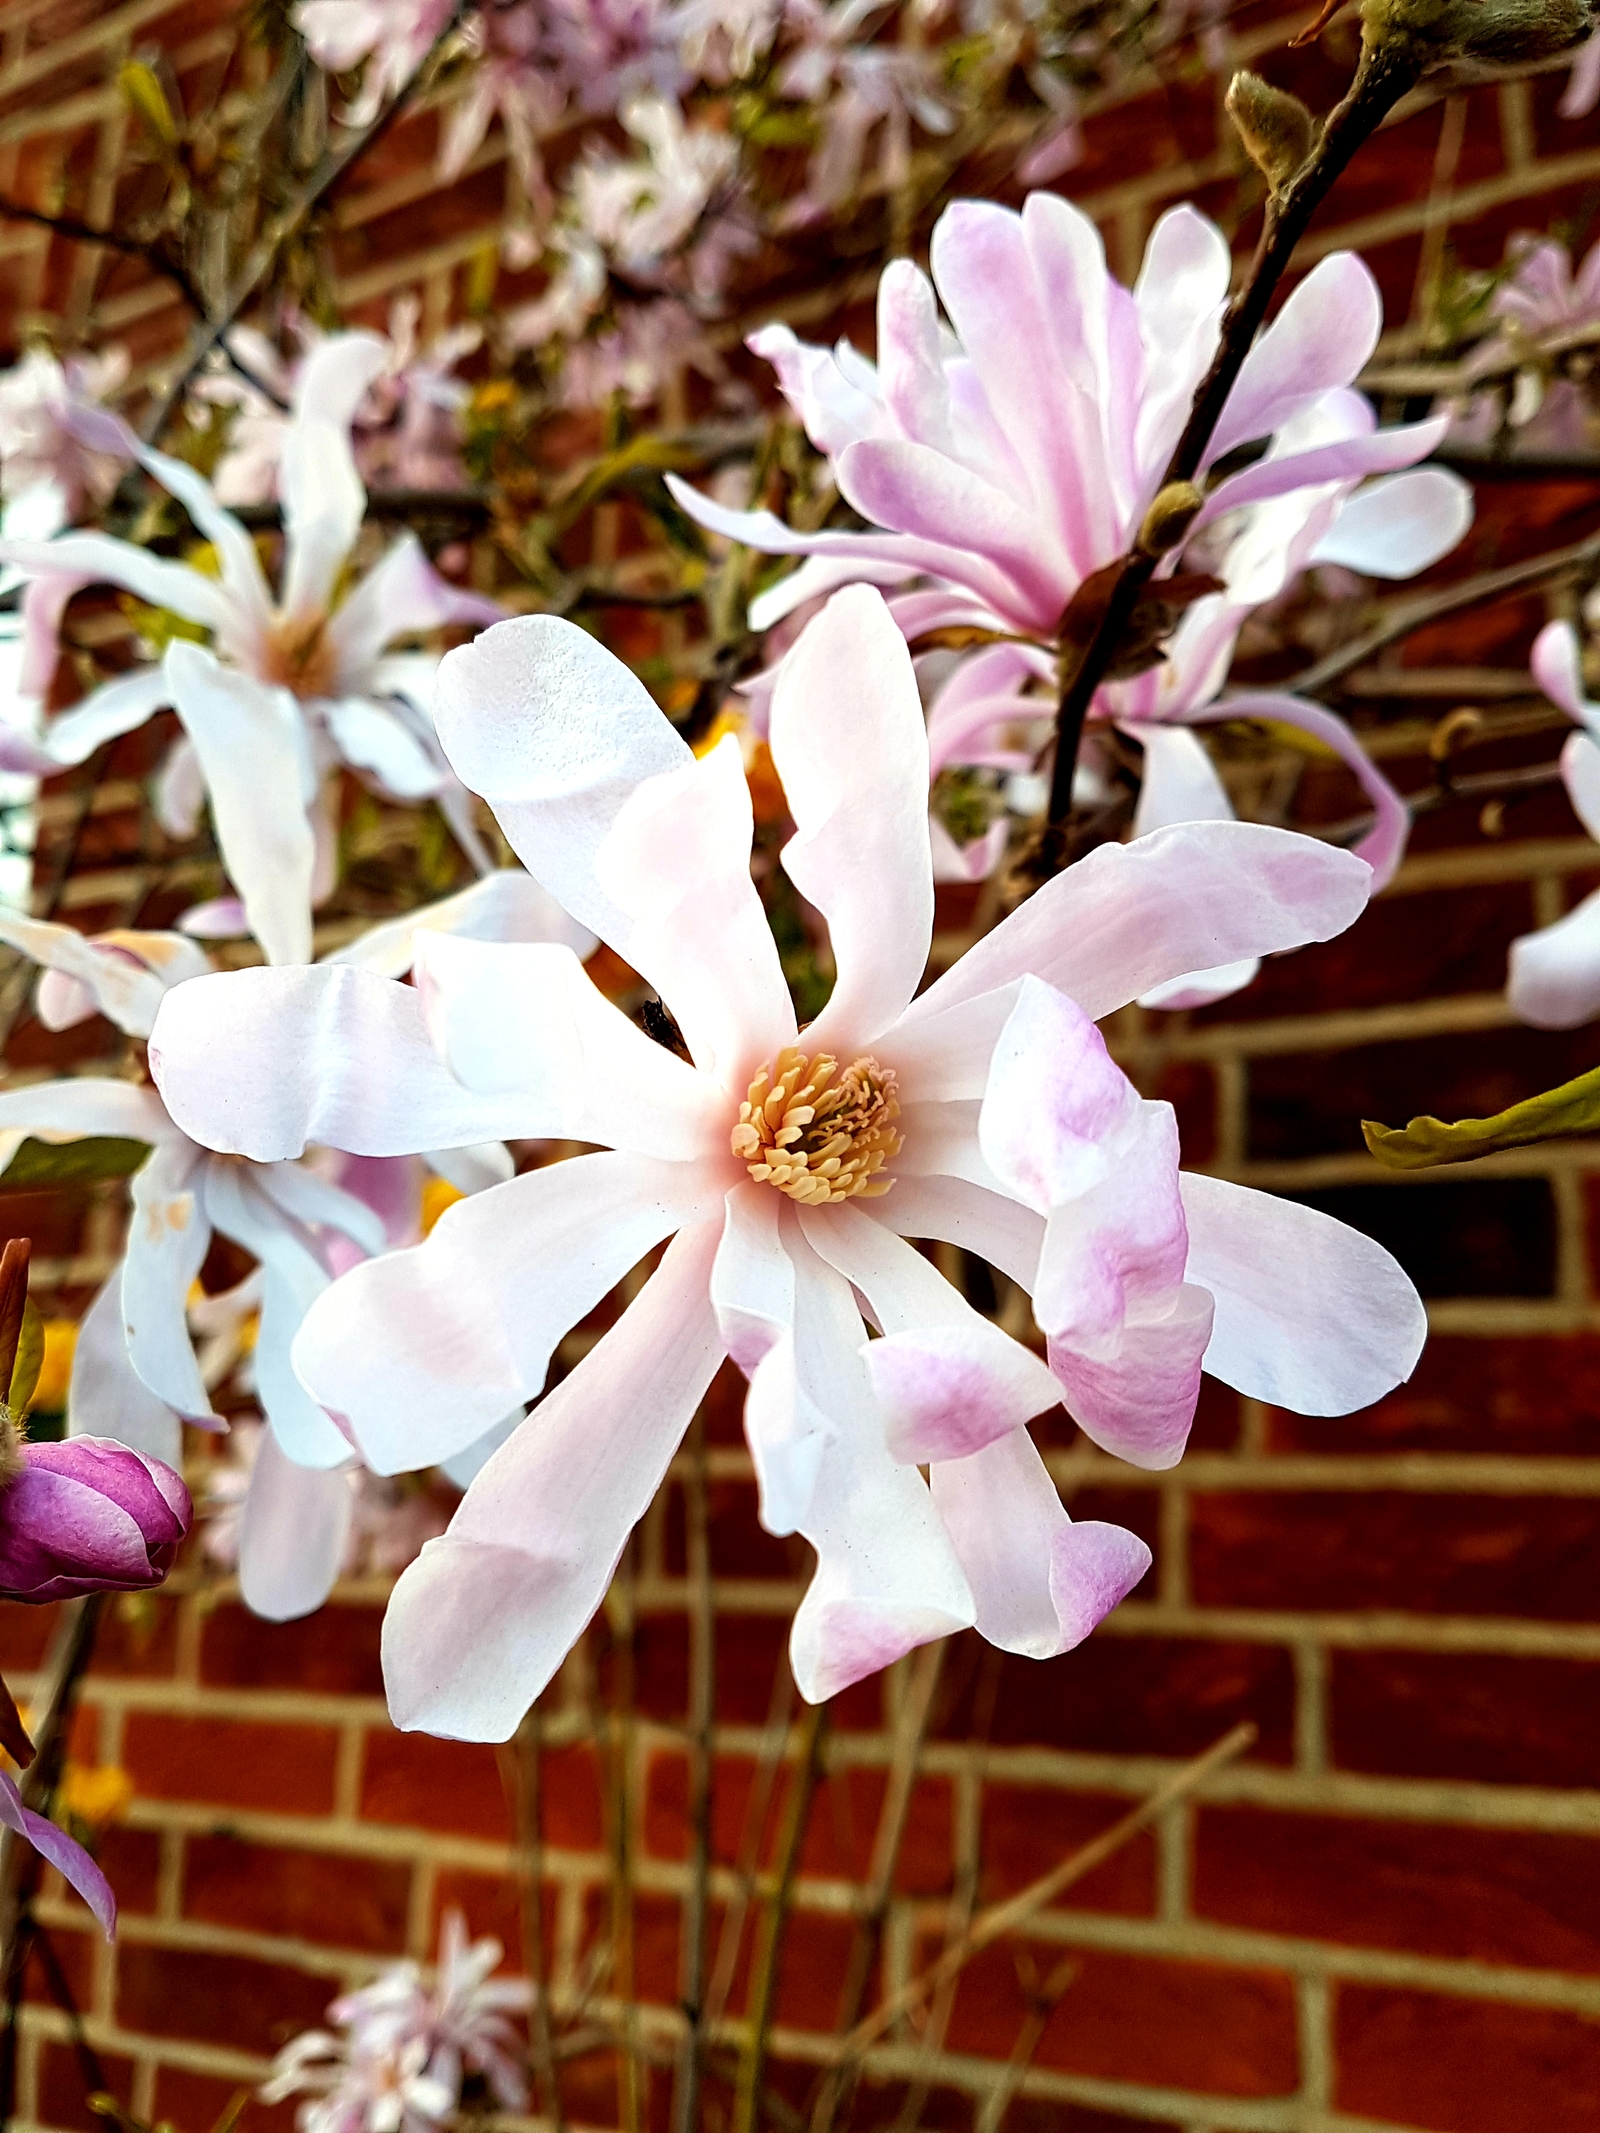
1388 1915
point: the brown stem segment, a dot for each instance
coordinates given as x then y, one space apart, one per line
13 1303
1384 75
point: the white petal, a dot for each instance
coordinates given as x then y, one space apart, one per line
1180 781
251 741
86 1104
168 1236
97 559
370 737
463 1468
1554 978
507 905
472 1170
954 1211
1311 1314
107 1397
292 1534
1400 524
851 747
322 494
125 975
480 1622
116 707
1580 773
401 596
423 1350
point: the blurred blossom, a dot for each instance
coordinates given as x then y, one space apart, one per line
1554 980
389 38
859 88
984 1111
400 2049
45 466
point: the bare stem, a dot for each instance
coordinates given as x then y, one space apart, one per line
528 1749
1382 78
769 1938
702 1701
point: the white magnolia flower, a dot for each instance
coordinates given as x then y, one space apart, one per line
788 1169
1555 973
293 685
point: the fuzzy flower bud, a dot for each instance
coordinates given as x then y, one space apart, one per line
1492 32
1277 130
1172 512
86 1515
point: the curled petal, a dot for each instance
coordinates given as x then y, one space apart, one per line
69 1858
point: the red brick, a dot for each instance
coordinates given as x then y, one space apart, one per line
811 1967
739 1545
216 1999
131 1859
1529 1395
333 1652
1127 1695
232 1762
1507 1721
317 1896
1138 2018
433 1784
1479 1895
1029 1829
74 1954
196 2101
24 1637
1475 1555
492 1907
138 1634
1467 2065
65 2085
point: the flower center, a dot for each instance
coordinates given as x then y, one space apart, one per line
817 1134
297 655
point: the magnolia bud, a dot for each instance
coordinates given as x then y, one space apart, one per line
1169 517
1494 32
1276 128
88 1515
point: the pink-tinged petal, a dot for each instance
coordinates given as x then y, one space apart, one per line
1311 1314
910 359
317 1203
1384 845
1583 84
818 576
1352 459
1402 524
1554 977
677 862
69 1859
1132 916
423 1350
753 1295
1557 663
1117 1245
45 601
1055 1101
61 1002
947 1380
1138 1399
292 1534
480 1622
984 692
1322 337
914 490
1180 297
265 1062
953 1211
518 1019
115 708
555 734
98 559
1202 988
121 975
974 861
251 741
834 410
850 745
401 596
507 905
1041 1583
293 1276
168 1237
371 737
887 1578
106 1396
180 797
1580 773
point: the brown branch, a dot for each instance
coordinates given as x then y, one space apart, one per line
701 1716
769 1939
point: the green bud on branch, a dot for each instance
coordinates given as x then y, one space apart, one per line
1492 32
1277 130
1173 512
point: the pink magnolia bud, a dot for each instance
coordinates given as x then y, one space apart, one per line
87 1515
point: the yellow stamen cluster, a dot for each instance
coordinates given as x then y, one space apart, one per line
817 1138
298 655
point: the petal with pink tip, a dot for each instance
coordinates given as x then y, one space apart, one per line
1135 1396
400 596
480 1622
1041 1583
1053 1101
423 1350
69 1858
850 745
1311 1314
1384 845
1557 664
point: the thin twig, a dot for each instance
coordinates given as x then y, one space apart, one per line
774 1739
1043 2001
619 1738
701 1716
769 1937
1003 1918
528 1749
1382 77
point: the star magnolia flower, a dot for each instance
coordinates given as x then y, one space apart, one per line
1008 463
135 1371
47 473
406 2047
292 687
1555 973
788 1168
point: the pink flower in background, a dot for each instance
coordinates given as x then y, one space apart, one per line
389 38
294 685
1583 84
789 1170
858 88
1554 978
404 2047
48 474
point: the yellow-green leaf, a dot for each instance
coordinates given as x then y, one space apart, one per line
30 1356
142 87
1427 1142
37 1164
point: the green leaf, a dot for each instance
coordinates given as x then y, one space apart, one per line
1428 1142
30 1359
97 1155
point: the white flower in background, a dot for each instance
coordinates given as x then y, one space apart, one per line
789 1172
641 209
48 474
389 38
400 2048
1555 973
293 685
136 1371
858 87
